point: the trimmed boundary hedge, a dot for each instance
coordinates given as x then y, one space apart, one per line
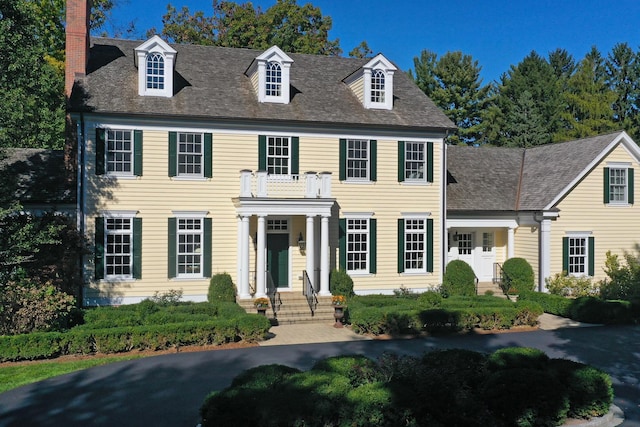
378 315
44 345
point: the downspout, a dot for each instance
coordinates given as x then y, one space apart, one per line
80 217
444 250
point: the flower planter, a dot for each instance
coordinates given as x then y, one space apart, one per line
338 314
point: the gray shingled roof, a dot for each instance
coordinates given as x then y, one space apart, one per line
35 176
514 179
482 178
211 84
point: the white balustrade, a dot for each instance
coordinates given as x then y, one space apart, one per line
309 185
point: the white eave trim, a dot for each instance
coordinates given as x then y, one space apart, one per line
482 223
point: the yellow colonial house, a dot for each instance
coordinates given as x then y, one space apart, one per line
560 206
273 167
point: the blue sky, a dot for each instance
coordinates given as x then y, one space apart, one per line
496 33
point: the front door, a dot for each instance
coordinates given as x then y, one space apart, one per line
465 248
278 258
487 256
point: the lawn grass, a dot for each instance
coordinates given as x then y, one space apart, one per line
13 376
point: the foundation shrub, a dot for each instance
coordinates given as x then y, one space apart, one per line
517 358
229 310
527 313
430 299
518 276
441 320
221 289
623 277
589 389
596 310
253 327
458 279
340 283
553 304
571 286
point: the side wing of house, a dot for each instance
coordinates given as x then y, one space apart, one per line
600 213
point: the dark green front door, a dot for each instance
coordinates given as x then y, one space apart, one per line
278 259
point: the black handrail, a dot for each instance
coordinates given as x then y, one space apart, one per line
501 278
310 292
273 294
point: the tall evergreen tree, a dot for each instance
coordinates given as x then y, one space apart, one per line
453 82
623 77
588 100
526 123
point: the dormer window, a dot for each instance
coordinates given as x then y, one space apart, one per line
155 61
269 74
373 83
273 79
155 71
377 86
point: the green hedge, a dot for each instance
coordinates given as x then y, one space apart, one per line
250 327
379 314
511 387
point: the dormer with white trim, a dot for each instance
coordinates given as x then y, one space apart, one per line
373 83
155 60
269 74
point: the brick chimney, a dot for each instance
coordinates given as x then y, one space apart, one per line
77 41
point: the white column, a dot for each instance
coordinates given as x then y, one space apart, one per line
510 242
324 256
243 242
545 254
310 251
261 264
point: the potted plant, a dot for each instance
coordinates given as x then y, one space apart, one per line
261 305
339 303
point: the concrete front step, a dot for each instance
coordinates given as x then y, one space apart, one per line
295 309
490 286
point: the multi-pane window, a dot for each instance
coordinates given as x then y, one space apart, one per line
190 154
415 237
617 185
464 244
277 225
487 242
278 155
119 148
377 86
189 255
118 235
357 245
358 159
155 71
415 161
577 248
273 79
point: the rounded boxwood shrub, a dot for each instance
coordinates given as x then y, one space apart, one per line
430 299
519 276
340 283
459 279
221 288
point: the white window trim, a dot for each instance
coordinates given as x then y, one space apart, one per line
278 176
626 167
414 181
155 45
119 174
274 54
195 215
358 216
416 217
379 62
190 176
349 179
580 235
118 215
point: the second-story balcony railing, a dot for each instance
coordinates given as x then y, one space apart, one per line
308 185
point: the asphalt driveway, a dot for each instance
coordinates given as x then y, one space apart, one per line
168 390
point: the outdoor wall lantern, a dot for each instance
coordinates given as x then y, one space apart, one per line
301 243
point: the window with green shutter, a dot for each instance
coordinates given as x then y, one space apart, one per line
118 248
189 247
100 151
415 161
279 155
618 185
119 152
415 245
578 255
358 159
358 245
99 248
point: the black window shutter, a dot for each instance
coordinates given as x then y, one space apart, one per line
137 152
429 245
173 154
100 151
592 255
630 190
171 244
373 158
565 254
262 152
342 243
99 252
208 155
343 160
401 170
137 248
207 246
295 155
373 247
606 185
429 161
400 245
